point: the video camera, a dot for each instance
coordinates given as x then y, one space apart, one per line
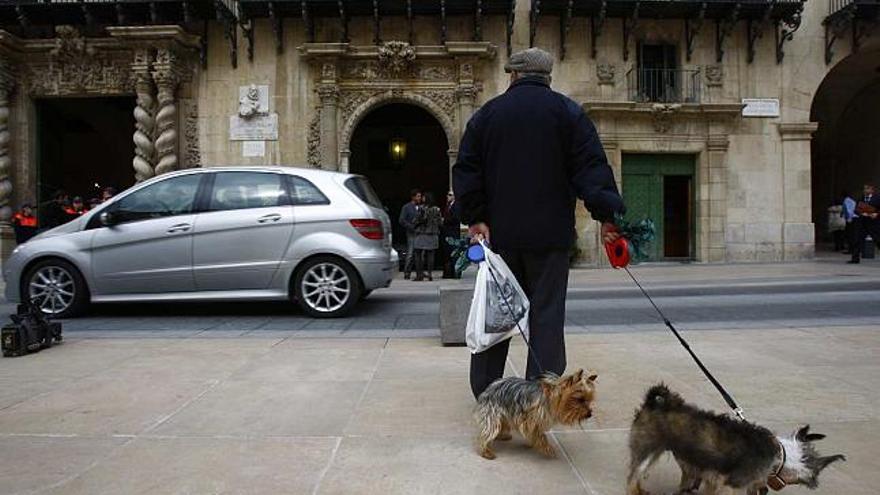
30 331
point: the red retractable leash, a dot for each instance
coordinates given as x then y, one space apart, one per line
619 255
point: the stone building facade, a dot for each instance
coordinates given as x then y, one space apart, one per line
291 82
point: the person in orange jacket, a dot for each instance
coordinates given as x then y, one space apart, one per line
24 222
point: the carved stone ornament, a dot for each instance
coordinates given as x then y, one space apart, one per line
662 113
249 103
75 67
192 154
313 144
372 70
605 73
714 75
396 57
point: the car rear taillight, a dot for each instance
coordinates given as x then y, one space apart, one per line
371 229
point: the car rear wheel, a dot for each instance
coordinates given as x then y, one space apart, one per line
327 287
56 287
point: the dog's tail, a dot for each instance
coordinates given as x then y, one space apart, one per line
659 397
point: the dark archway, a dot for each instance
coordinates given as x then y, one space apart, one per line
426 165
845 149
84 144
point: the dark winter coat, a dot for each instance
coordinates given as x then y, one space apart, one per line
428 222
525 157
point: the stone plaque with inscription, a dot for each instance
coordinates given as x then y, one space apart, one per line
256 128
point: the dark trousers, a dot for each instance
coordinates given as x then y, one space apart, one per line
863 227
543 276
848 235
838 237
424 261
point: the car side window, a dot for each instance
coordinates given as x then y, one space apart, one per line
303 192
170 197
242 190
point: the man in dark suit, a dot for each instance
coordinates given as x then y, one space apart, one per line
866 223
407 220
524 159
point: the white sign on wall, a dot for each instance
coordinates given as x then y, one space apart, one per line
253 148
256 128
760 107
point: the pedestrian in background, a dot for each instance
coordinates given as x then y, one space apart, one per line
107 193
54 212
836 224
427 229
24 223
451 229
524 159
407 220
867 222
849 213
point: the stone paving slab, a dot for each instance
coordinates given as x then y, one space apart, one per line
326 412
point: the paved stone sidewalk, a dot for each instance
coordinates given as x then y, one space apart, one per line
392 415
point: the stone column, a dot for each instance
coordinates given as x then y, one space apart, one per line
7 84
798 231
144 161
165 75
712 203
467 94
329 95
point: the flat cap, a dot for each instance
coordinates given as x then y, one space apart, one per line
533 61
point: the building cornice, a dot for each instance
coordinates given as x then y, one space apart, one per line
797 131
685 109
477 49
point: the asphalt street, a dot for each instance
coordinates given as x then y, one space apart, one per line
597 302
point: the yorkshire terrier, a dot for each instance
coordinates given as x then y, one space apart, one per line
718 454
532 407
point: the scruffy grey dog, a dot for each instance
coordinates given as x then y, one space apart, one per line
532 407
718 454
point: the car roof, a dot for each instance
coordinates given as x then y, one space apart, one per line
306 173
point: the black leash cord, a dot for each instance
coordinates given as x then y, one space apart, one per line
726 396
532 353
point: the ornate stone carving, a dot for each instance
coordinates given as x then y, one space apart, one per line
165 76
361 70
74 67
313 144
249 104
662 114
435 73
605 73
192 153
714 75
144 123
349 101
396 57
7 81
328 93
466 72
328 71
445 99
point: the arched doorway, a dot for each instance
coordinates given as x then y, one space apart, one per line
846 147
399 147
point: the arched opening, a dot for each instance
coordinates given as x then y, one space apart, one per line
846 147
399 147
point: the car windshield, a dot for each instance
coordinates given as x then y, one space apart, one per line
361 187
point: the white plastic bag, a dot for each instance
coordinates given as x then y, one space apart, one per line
497 303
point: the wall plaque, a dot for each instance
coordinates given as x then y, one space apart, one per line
255 128
253 148
760 107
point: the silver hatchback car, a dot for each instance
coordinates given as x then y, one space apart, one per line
319 238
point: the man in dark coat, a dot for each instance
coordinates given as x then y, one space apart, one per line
407 220
866 223
524 159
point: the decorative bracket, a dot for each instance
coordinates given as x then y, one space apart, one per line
785 29
377 24
230 31
723 28
511 17
409 22
754 31
308 23
596 25
533 21
277 23
630 24
343 20
691 30
443 28
187 13
478 21
247 26
565 27
121 20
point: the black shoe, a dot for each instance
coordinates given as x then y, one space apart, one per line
853 262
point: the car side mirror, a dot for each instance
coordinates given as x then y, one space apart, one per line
108 219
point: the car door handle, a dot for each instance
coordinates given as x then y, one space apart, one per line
181 227
272 217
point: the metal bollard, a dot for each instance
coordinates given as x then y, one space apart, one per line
868 248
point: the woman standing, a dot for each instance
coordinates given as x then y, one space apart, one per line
451 228
427 240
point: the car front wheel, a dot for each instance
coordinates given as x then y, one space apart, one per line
327 287
56 287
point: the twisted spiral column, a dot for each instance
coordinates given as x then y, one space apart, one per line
166 118
144 123
5 160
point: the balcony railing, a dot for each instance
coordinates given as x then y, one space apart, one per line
664 85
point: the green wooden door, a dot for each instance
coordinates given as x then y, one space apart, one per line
645 178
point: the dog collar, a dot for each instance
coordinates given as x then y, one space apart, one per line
775 481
